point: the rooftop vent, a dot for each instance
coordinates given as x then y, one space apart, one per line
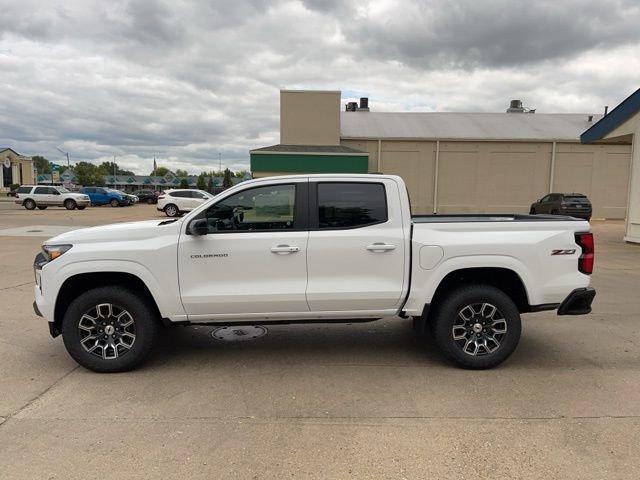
351 106
515 106
364 104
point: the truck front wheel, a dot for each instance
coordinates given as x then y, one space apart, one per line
109 329
477 326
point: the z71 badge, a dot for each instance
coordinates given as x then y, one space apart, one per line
569 251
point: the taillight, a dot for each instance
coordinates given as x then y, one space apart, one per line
564 205
585 262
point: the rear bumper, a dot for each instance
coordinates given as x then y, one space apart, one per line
577 302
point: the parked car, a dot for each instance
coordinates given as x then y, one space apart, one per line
13 191
176 202
571 204
32 196
312 248
147 196
132 198
105 196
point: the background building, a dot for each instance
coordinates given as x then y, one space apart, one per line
16 169
452 162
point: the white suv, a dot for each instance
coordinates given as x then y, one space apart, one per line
175 202
30 197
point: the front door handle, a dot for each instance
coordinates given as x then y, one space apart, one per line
285 249
380 247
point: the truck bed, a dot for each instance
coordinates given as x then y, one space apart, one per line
490 217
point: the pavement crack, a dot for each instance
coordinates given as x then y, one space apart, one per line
37 397
16 286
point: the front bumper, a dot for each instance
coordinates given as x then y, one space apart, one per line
577 302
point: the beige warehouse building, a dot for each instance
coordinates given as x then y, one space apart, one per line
452 162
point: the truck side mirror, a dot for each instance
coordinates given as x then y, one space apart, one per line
198 227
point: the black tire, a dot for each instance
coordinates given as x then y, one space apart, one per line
532 211
70 204
81 207
150 201
42 207
449 315
29 204
114 203
554 212
171 210
146 326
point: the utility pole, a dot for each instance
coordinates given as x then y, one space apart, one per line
219 162
114 171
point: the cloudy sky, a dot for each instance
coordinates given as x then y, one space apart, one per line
185 80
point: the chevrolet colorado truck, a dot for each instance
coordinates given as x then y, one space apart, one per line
312 248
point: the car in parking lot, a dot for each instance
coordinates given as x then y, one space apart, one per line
40 196
571 204
147 196
133 199
175 202
105 196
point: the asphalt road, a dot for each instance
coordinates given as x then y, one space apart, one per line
316 401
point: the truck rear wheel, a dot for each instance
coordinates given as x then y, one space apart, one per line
29 204
477 326
109 329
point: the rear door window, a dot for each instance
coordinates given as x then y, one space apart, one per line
41 191
23 190
344 205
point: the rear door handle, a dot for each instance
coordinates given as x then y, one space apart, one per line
380 247
285 249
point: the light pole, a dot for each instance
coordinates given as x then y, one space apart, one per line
67 154
220 162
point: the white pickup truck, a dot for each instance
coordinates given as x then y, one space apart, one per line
312 248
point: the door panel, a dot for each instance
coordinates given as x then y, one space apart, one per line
237 273
253 260
359 268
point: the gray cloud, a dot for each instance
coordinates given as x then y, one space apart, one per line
184 81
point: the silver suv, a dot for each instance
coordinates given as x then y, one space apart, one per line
40 196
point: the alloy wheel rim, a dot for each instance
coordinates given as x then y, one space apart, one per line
171 210
107 331
479 329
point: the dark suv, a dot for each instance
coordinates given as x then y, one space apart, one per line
146 196
571 204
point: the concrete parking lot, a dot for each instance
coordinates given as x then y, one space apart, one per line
321 401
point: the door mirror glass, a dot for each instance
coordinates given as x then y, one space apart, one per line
198 227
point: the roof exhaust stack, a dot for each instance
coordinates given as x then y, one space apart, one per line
515 106
364 104
351 107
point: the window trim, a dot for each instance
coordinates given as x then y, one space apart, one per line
314 211
300 210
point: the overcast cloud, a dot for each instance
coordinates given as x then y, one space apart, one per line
183 80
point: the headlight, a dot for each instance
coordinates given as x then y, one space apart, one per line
51 252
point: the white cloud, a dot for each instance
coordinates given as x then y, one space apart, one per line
185 81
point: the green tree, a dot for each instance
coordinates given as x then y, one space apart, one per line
160 171
181 173
88 174
226 180
210 185
241 173
107 168
201 183
42 164
184 183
